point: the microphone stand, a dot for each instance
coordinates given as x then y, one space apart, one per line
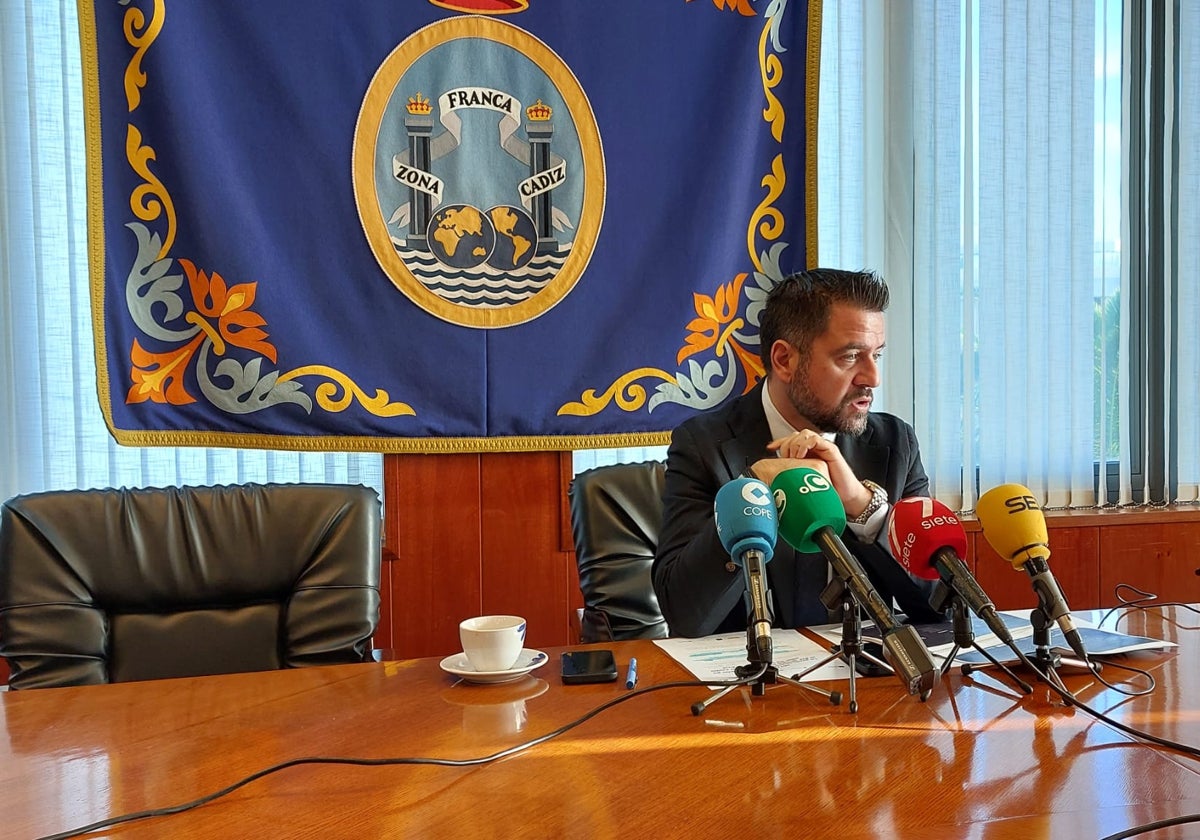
760 663
964 633
1045 657
837 594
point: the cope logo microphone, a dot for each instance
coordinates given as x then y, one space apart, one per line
758 500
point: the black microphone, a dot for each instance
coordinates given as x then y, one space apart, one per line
747 526
811 518
928 541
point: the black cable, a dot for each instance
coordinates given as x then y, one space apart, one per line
1126 604
1121 690
1069 698
1148 600
1142 603
374 762
1154 826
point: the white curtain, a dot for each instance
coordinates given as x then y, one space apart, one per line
1034 295
52 435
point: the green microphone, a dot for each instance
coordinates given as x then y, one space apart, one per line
814 505
812 519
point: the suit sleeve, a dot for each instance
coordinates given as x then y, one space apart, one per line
695 590
916 482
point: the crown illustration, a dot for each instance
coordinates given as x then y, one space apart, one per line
418 104
539 112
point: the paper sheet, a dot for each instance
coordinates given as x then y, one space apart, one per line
714 658
939 638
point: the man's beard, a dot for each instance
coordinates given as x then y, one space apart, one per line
842 419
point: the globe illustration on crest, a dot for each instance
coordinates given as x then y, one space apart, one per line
516 237
461 236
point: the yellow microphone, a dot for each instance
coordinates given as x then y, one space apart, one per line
1013 524
1015 527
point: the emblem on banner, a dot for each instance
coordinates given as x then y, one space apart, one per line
478 173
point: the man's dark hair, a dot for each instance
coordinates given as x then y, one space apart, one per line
797 309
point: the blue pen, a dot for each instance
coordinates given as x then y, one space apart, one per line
631 674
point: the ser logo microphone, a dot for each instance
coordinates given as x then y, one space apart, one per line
1019 504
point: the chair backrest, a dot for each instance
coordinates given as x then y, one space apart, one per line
616 514
113 585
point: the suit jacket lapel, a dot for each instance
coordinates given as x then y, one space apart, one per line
865 457
749 434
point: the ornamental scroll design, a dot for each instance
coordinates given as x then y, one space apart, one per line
721 344
198 326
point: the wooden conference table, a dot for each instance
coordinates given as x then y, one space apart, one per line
976 760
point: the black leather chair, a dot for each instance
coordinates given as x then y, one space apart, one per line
102 586
616 514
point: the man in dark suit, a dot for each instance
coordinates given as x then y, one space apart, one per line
822 334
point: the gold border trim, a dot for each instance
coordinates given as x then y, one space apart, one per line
94 177
812 101
392 445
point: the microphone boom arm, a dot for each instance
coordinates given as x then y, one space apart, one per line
906 653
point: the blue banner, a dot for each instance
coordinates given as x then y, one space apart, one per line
439 225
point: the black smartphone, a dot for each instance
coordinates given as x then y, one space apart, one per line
865 667
588 666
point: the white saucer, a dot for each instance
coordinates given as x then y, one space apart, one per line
460 666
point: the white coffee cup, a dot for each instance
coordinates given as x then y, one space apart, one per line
492 642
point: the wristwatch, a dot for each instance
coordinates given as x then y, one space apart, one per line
879 498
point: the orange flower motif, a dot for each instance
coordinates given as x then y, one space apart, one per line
715 313
158 377
230 306
742 7
751 363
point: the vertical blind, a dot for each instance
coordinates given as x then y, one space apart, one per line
52 435
1033 296
1008 185
1160 305
1187 107
1026 175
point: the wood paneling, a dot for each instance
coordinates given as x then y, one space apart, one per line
523 568
432 526
1074 560
468 534
1160 558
